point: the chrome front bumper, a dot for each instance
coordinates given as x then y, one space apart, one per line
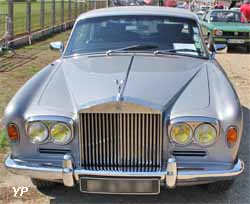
170 178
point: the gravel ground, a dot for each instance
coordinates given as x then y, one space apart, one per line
237 66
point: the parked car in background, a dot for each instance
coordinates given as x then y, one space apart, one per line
200 14
135 102
235 9
226 27
205 8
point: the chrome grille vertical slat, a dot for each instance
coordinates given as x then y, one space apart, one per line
143 142
104 142
150 143
112 141
92 146
100 141
96 141
160 138
139 143
108 139
89 142
115 140
135 142
121 141
154 141
128 142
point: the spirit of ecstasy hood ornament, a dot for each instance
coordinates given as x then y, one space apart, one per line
122 83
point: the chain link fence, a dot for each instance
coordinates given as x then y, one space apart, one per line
24 17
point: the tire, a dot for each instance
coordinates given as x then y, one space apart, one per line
42 184
210 43
217 187
248 48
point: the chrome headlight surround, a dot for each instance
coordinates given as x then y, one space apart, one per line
194 122
58 130
49 122
37 132
206 126
181 127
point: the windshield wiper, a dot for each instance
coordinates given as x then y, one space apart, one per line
133 47
172 51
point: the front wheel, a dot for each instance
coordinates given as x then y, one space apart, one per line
219 186
248 48
42 184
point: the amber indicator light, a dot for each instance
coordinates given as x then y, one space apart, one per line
13 132
231 136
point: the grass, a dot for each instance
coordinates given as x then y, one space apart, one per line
20 15
11 81
3 140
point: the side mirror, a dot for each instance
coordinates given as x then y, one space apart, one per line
217 48
57 46
220 48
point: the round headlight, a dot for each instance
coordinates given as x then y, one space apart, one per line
60 133
37 132
205 134
181 133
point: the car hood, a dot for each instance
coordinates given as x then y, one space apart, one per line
157 81
231 26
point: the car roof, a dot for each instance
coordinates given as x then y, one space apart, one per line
222 10
138 10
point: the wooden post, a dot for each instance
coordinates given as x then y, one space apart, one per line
53 12
10 23
62 11
42 13
28 16
75 9
69 10
81 7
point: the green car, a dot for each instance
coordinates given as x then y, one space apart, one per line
226 27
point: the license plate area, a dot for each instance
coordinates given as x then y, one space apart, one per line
120 185
236 41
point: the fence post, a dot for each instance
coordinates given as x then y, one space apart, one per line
53 12
75 9
62 11
42 13
81 7
69 10
28 16
10 23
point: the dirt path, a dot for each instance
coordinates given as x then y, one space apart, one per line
237 66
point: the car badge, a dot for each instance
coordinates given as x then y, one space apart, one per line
236 33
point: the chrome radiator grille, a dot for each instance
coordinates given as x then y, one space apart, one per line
121 141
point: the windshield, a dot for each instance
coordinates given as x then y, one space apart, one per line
102 34
227 16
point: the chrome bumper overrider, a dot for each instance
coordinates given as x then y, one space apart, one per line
170 178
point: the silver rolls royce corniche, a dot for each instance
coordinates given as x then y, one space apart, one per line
135 103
